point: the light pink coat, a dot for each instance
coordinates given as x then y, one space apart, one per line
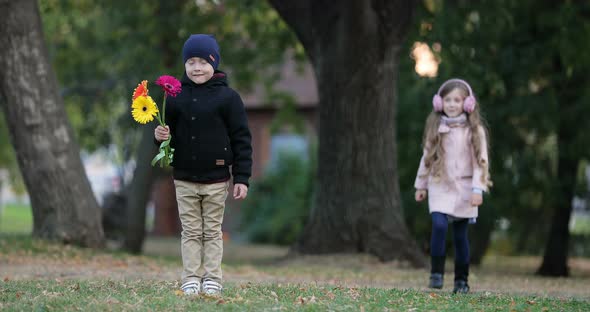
452 196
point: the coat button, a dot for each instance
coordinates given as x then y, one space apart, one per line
193 137
194 100
225 148
193 118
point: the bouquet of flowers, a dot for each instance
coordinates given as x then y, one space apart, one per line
144 109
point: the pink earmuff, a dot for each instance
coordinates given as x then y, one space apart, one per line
468 104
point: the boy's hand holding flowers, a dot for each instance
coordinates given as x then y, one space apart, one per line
144 109
162 133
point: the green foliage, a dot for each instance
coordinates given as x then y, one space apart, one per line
6 154
8 160
278 204
102 50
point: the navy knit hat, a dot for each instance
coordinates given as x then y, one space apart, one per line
203 46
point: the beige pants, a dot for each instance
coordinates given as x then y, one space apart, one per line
201 208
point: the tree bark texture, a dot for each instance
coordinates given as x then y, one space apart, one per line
354 48
64 207
555 259
556 251
139 191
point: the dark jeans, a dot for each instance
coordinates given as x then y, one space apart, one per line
440 224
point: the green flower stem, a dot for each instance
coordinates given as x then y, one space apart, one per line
159 120
166 150
164 108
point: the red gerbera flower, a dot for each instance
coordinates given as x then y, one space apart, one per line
141 90
170 85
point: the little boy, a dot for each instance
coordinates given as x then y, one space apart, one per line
209 129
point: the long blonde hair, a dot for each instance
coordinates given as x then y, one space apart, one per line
432 140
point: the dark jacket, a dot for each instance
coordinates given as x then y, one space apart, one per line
209 131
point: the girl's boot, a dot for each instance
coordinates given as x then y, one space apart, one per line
437 272
461 274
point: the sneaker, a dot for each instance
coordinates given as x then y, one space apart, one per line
436 280
461 287
191 288
212 288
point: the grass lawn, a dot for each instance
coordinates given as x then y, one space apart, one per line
141 295
40 276
16 218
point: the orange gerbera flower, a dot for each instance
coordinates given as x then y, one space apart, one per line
141 90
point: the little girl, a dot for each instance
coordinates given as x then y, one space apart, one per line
454 171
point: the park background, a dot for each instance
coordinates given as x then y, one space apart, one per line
336 94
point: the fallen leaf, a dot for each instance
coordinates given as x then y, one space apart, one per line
178 292
248 285
6 279
353 293
300 300
330 295
530 302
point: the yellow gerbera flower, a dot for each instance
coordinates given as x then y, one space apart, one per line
144 109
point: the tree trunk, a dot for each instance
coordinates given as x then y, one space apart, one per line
166 219
354 47
64 207
556 250
139 191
